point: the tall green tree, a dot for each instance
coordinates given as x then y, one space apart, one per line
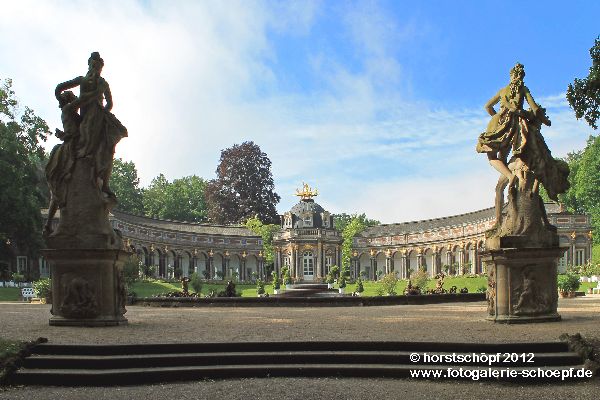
266 232
21 155
125 183
243 188
341 220
351 225
587 181
182 200
584 94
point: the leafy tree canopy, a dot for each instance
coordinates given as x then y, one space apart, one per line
21 158
356 224
125 183
584 94
587 181
243 188
182 199
341 220
266 232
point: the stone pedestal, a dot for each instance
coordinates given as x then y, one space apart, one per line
522 284
87 286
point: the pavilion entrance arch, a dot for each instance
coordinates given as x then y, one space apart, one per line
251 267
234 266
380 261
218 266
412 261
185 263
399 264
429 262
364 262
202 265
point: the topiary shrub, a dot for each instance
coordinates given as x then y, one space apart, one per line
43 289
420 279
359 286
389 283
568 283
196 282
260 287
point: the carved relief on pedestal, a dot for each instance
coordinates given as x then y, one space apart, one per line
528 298
79 300
491 292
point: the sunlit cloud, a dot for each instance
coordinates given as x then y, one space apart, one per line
192 79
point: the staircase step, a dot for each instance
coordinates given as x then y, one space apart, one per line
291 357
250 347
85 377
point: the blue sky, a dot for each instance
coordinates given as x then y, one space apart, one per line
378 104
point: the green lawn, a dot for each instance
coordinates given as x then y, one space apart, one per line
149 288
10 294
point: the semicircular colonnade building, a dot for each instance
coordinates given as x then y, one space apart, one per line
309 244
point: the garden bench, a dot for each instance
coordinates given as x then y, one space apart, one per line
27 293
596 289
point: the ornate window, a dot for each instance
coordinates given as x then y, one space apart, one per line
308 221
21 264
328 263
325 217
579 256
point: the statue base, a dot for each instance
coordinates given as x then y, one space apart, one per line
87 286
522 285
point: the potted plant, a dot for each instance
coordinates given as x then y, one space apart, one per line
342 284
287 280
359 286
276 283
568 284
260 287
329 279
43 290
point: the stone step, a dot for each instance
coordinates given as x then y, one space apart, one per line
291 357
89 377
223 347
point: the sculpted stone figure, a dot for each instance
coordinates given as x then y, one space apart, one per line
90 135
522 249
85 253
518 131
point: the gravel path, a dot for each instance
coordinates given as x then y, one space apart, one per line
457 322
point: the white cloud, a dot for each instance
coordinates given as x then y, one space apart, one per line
192 79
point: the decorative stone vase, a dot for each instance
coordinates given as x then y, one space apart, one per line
330 286
342 290
276 291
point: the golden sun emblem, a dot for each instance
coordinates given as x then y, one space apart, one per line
306 193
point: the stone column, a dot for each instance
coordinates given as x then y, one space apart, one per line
293 256
373 272
320 260
404 265
209 266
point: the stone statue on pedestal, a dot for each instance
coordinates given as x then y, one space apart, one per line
85 252
520 248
